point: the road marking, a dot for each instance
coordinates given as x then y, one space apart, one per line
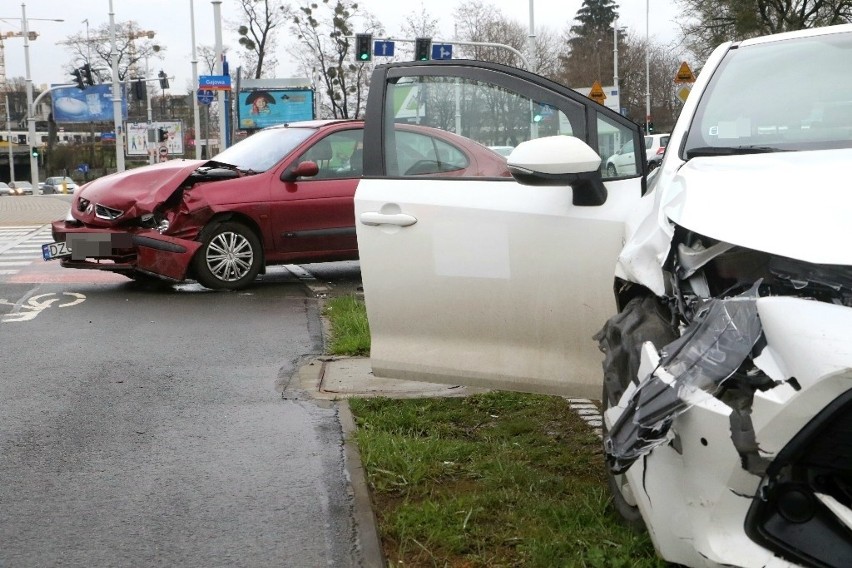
36 304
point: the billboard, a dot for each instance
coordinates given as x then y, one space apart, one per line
259 108
93 104
141 143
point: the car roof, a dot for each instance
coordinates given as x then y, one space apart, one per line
316 124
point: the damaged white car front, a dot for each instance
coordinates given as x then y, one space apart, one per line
728 371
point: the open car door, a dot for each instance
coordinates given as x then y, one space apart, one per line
479 279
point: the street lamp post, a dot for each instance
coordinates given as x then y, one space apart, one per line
647 70
116 96
196 118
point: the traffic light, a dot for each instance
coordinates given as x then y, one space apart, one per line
164 80
363 47
78 78
35 152
140 90
423 49
87 75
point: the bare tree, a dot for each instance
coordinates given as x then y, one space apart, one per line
257 34
324 31
132 44
711 22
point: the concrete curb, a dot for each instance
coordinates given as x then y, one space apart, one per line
366 527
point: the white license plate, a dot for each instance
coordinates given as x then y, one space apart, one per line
55 250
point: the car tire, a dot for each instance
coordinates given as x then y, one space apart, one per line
229 258
642 319
611 171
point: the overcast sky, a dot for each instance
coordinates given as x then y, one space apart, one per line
170 19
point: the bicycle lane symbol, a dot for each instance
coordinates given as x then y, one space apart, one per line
37 304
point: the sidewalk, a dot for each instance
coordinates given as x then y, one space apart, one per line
33 209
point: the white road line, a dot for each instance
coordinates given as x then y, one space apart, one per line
5 263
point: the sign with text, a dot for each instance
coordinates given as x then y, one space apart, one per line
214 82
259 108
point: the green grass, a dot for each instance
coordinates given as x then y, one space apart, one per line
350 332
490 480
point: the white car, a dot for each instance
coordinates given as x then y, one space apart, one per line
655 149
720 291
622 163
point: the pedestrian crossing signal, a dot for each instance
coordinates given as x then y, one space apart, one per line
363 47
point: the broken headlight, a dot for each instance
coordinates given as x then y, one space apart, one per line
154 221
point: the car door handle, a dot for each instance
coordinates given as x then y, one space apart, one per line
374 218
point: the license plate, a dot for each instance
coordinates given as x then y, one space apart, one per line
55 250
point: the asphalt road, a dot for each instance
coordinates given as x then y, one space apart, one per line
151 427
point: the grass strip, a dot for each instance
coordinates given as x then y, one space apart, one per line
491 480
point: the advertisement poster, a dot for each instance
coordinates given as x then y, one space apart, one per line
137 138
259 108
93 104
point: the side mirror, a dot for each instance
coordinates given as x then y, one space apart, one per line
560 160
302 169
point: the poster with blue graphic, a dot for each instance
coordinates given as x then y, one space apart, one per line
93 104
259 108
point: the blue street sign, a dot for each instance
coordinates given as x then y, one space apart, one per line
83 168
383 48
205 96
215 82
442 51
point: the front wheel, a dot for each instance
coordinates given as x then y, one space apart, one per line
229 258
643 319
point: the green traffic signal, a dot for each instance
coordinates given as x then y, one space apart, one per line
363 47
35 152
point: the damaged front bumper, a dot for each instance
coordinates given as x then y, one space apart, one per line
125 252
746 469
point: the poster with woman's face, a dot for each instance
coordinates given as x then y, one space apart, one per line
260 108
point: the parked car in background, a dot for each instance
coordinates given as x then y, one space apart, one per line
718 287
59 184
5 190
21 187
282 195
655 149
502 150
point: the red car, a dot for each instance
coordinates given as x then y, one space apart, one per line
284 195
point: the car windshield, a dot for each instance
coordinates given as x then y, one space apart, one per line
264 149
777 96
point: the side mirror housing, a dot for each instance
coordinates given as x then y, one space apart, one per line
560 160
302 169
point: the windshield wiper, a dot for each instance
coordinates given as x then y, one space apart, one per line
729 151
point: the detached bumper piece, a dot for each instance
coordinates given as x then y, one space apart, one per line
803 510
693 367
125 253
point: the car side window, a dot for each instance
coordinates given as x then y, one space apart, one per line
338 155
470 115
616 147
419 154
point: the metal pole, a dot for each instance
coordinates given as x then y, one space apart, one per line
615 60
9 142
148 102
195 111
116 96
220 95
31 126
647 70
531 44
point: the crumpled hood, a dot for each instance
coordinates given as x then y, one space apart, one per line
139 190
794 204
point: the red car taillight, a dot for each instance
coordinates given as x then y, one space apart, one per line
661 150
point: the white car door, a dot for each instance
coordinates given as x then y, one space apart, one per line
478 279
